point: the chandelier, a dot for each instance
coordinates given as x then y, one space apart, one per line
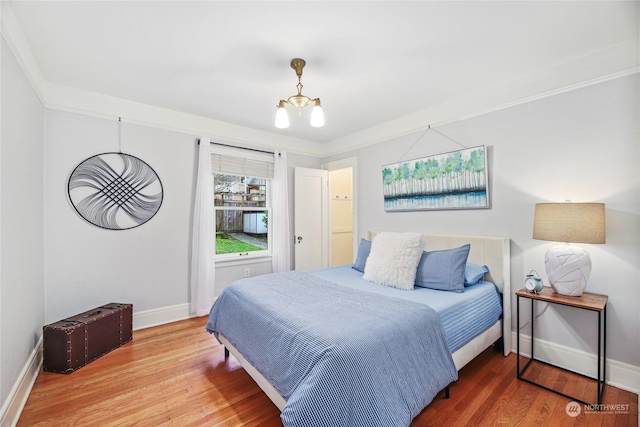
299 101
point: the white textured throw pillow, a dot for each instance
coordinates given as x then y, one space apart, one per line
393 259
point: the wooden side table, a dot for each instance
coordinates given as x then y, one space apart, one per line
587 301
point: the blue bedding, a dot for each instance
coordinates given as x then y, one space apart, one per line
339 356
464 315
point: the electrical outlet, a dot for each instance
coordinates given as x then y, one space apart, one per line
247 272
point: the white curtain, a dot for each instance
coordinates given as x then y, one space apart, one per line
281 236
203 238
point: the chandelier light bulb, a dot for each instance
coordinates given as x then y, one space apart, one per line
282 118
317 115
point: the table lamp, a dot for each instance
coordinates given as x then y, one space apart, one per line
569 266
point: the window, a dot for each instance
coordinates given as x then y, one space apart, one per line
242 202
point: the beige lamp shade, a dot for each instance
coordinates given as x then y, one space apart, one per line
570 222
569 266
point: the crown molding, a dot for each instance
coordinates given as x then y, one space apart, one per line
600 66
72 100
12 34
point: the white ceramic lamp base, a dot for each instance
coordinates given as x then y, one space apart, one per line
568 269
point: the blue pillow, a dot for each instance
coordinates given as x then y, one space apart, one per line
473 273
363 253
443 270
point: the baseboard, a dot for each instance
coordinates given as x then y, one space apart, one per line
160 316
619 374
17 398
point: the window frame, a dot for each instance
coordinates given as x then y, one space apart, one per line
216 154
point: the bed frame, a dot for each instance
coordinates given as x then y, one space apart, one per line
494 252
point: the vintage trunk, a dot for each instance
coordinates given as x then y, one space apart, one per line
73 342
126 320
64 346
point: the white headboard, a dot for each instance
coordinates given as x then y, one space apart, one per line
494 252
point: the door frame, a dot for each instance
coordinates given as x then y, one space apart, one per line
351 162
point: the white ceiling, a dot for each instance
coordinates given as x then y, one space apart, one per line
369 62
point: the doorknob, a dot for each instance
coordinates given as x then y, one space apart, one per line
299 238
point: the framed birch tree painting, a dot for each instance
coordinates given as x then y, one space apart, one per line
454 180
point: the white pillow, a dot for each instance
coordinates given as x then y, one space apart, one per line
394 259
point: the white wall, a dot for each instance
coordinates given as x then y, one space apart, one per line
21 226
147 266
87 266
581 145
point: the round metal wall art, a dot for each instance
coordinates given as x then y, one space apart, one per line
115 191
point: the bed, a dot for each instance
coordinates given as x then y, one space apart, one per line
283 377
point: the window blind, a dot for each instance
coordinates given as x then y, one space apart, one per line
241 162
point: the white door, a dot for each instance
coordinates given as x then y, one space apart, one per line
311 225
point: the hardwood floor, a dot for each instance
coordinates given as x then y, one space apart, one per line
176 375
